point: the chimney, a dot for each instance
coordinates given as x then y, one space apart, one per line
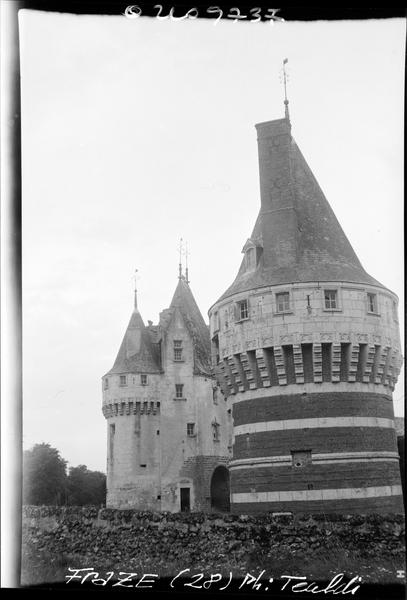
278 215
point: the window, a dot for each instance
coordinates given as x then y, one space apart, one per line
242 310
191 429
179 390
283 301
177 350
123 380
331 299
215 431
215 394
215 321
372 303
106 383
250 258
300 458
112 430
143 379
226 317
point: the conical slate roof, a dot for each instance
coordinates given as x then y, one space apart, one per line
298 235
184 301
137 353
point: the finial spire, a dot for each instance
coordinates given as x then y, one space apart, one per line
180 259
186 263
135 289
285 79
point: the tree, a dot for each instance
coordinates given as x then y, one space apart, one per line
86 487
44 476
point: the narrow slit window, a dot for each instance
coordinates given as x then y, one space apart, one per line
112 431
106 383
215 431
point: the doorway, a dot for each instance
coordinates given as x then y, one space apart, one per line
220 490
185 499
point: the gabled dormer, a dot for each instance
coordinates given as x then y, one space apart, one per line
252 252
184 316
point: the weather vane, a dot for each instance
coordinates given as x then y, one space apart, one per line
186 262
135 287
180 259
285 79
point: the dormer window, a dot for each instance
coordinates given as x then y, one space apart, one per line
178 350
250 259
251 254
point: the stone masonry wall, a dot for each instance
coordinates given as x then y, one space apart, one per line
198 538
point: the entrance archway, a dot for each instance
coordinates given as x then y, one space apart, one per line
220 490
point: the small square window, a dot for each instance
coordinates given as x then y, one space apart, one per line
300 458
179 390
191 429
143 379
372 303
106 383
242 310
283 301
331 299
123 380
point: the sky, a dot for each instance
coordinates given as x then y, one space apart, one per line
136 133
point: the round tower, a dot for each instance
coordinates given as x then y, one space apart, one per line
131 406
307 347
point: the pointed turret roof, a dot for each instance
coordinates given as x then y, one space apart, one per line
300 238
184 301
137 353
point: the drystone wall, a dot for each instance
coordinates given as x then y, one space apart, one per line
199 538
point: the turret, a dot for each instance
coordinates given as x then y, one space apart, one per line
131 406
306 346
